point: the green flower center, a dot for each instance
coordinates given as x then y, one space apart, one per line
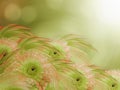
32 70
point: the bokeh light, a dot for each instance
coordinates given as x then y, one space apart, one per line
12 12
29 14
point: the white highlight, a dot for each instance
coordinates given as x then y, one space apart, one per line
109 11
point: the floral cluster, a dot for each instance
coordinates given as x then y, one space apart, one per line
29 62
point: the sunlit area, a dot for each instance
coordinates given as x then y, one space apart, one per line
109 11
96 20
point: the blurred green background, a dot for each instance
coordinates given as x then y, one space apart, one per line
96 20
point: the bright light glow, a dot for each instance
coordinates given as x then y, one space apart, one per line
109 11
